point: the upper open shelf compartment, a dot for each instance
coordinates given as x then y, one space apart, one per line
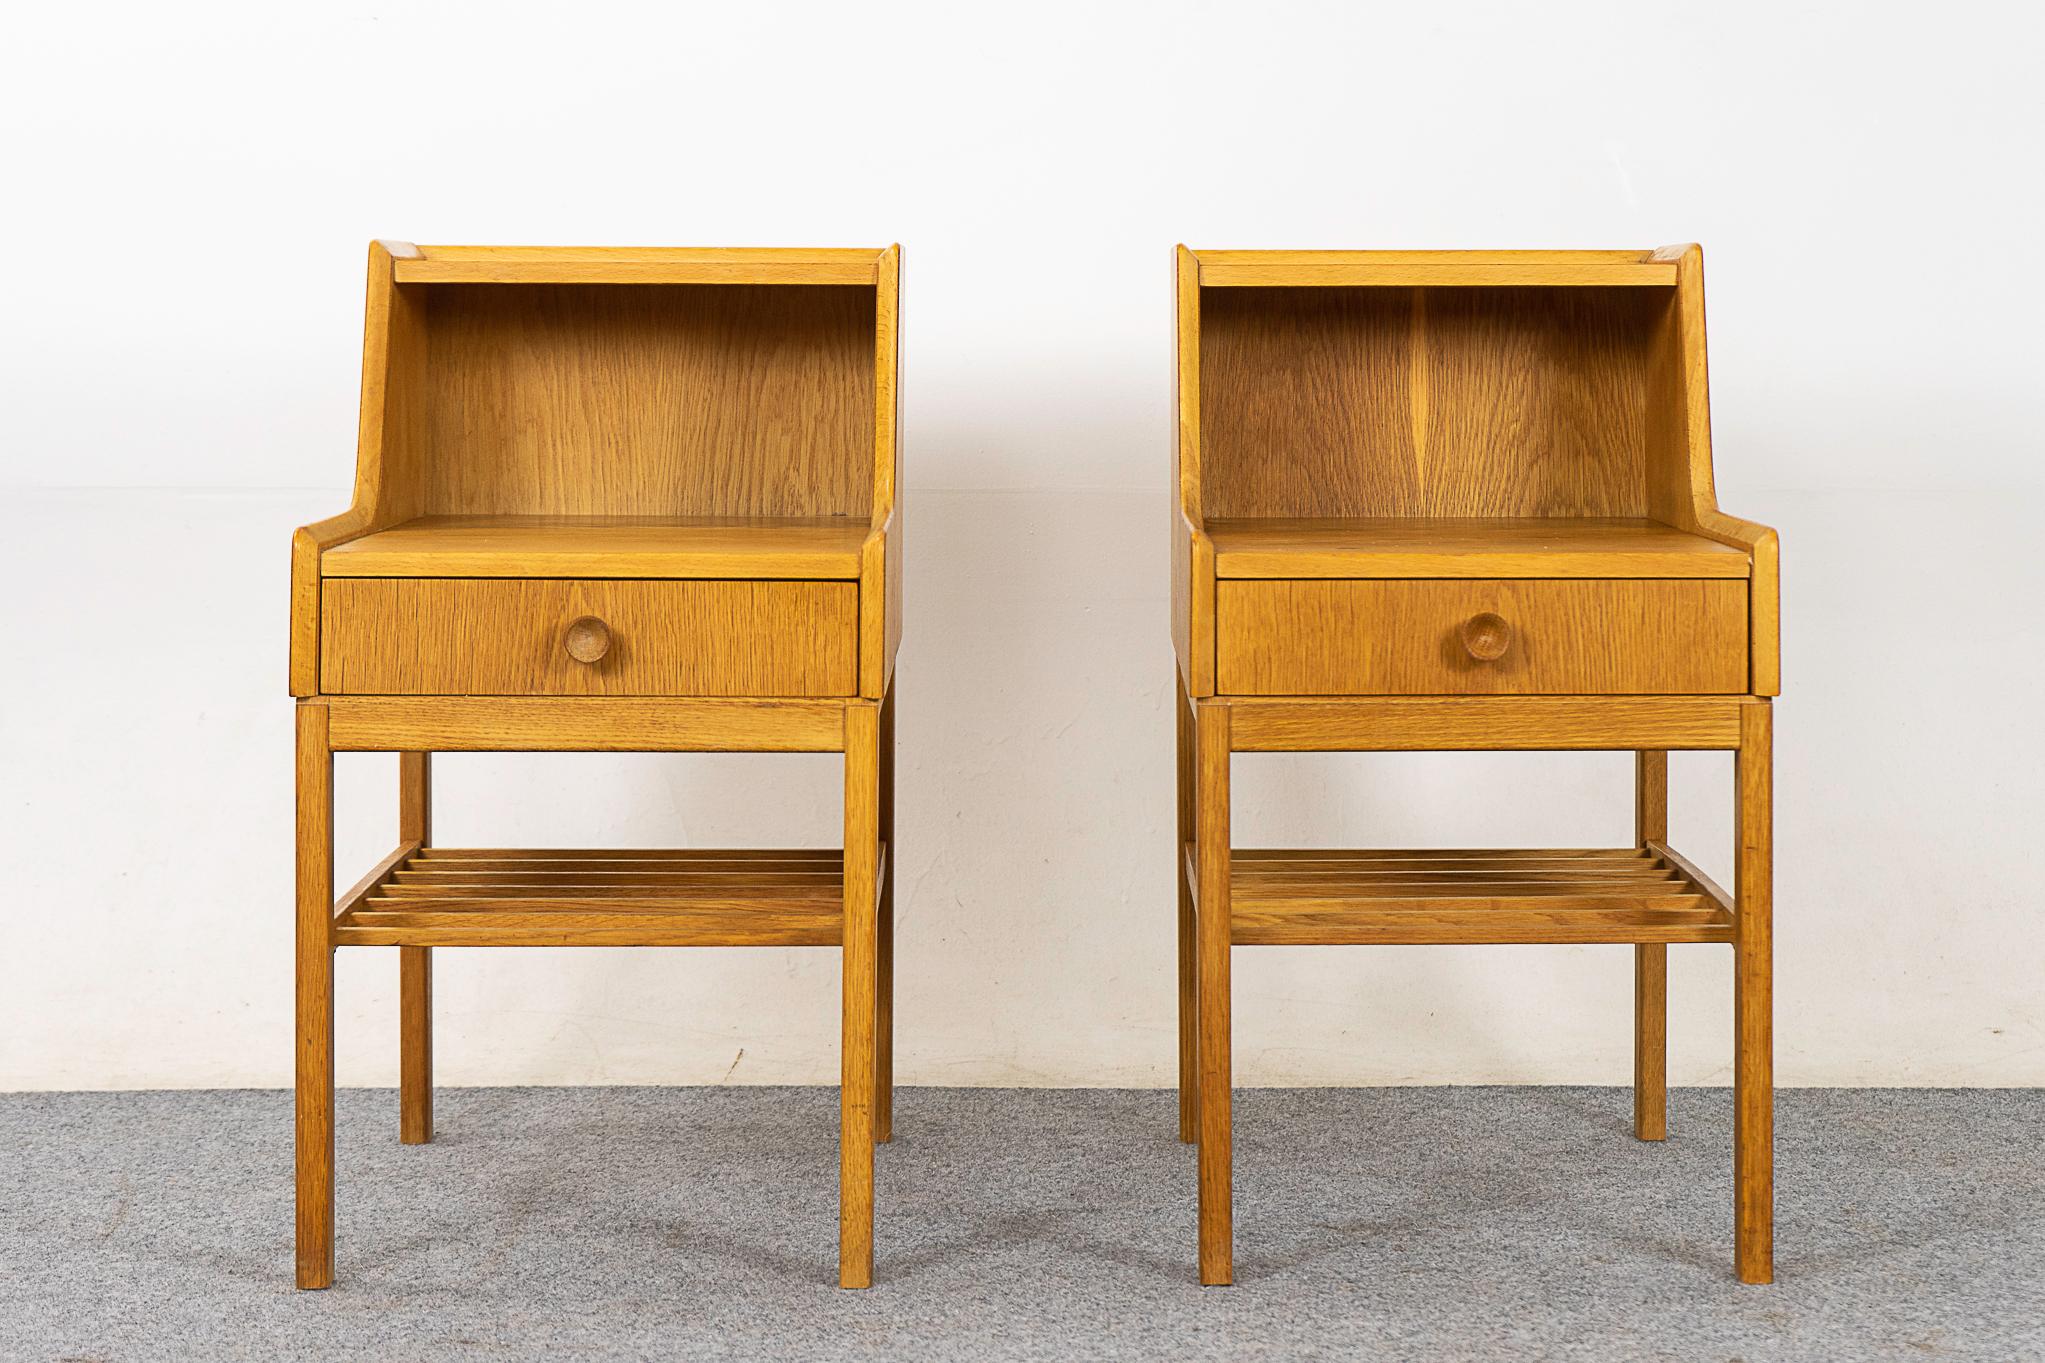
648 382
1439 385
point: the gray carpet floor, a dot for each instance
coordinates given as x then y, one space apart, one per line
569 1224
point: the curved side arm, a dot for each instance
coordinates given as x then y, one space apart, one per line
1193 601
880 605
1764 592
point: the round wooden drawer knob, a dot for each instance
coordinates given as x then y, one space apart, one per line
1487 637
588 639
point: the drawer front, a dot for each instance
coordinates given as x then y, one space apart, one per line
1677 636
511 637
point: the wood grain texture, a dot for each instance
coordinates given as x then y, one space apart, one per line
884 936
570 724
1585 637
314 1070
1395 547
1432 897
880 574
1680 487
415 966
1189 943
555 897
1267 269
1215 920
856 1080
684 400
637 265
768 547
1421 402
489 636
1496 724
1192 553
390 452
1650 962
1754 1001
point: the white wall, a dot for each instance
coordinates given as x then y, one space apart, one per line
192 193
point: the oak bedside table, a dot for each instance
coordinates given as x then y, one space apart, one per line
1463 500
606 500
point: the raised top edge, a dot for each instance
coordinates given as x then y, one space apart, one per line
1288 257
1434 269
707 254
641 265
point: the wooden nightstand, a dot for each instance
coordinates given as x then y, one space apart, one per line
1462 500
607 500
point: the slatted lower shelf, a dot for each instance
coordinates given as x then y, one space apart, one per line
1444 896
441 896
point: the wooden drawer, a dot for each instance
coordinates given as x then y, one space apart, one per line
510 637
1290 637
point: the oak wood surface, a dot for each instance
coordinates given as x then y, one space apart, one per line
314 1069
390 451
1214 919
1680 486
683 400
1412 489
1485 723
1397 547
1754 1000
636 265
1424 402
1192 553
608 500
1225 269
884 934
1294 898
497 636
857 910
1670 636
1651 960
586 897
1189 945
818 547
880 564
584 724
415 966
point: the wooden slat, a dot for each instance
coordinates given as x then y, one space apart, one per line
705 928
1441 923
1482 854
666 897
584 724
374 881
1525 723
818 887
829 855
1706 886
1391 897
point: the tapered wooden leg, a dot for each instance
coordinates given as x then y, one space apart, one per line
1650 964
315 994
1753 1002
1217 1232
1189 961
884 939
415 967
856 1091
